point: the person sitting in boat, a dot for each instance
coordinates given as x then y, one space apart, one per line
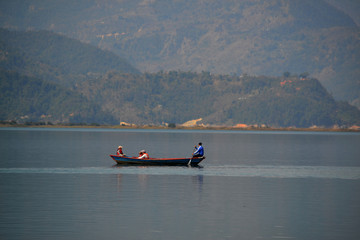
119 151
143 155
199 151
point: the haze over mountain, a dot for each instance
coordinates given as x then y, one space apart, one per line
39 71
223 37
56 58
46 77
253 62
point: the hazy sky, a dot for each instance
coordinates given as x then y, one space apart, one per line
351 7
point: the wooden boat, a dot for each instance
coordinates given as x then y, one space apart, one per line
157 161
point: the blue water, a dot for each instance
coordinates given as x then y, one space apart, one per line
61 184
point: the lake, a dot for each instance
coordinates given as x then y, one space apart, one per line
62 184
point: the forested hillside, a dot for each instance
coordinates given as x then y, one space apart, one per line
177 97
56 58
267 37
27 99
46 77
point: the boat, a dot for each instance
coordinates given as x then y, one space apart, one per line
193 161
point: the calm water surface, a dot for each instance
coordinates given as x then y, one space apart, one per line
61 184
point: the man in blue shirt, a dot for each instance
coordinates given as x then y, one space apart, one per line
199 151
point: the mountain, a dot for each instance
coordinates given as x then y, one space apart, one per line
177 97
62 82
56 58
264 37
26 99
39 69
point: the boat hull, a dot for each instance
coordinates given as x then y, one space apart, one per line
157 161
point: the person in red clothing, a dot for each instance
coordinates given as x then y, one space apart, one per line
120 151
143 155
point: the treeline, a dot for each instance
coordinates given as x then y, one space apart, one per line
178 96
174 97
27 99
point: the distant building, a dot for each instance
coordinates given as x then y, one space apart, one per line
126 124
241 125
354 127
191 123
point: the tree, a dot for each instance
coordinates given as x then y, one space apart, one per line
286 74
304 75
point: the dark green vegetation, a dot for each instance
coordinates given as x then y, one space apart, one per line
38 70
44 84
27 99
265 37
177 97
56 58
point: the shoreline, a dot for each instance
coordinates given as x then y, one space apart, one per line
183 128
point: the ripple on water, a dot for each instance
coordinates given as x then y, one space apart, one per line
223 171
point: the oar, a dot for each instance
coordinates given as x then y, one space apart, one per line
191 157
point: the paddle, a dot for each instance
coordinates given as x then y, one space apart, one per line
192 156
